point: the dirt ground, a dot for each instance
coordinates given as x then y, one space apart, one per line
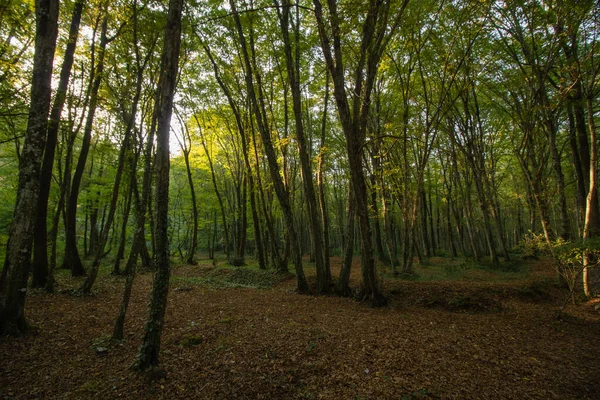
465 338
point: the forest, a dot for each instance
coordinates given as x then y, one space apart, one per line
299 199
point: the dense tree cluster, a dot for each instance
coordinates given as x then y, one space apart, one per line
393 129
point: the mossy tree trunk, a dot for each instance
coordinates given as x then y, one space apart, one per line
13 285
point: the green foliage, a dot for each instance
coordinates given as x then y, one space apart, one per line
532 246
569 257
448 67
232 277
440 269
573 253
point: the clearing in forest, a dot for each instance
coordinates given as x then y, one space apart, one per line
458 331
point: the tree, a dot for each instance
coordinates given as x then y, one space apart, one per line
13 283
377 28
185 143
293 76
72 260
40 250
147 356
257 102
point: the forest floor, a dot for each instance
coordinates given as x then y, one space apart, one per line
458 331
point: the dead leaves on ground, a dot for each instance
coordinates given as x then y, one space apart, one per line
435 340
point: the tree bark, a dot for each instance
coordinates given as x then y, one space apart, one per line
13 288
186 147
123 235
72 260
343 288
148 354
321 180
278 183
375 34
293 72
40 242
591 228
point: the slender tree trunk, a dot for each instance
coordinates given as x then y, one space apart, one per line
376 221
49 286
120 321
138 247
72 260
123 236
13 286
293 72
148 354
186 148
241 224
321 180
581 193
190 258
40 242
424 229
343 287
565 221
354 116
219 197
279 186
449 228
592 227
106 226
387 226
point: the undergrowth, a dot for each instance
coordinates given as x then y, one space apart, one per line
224 277
440 269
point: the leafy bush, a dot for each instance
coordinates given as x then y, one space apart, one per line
532 246
569 257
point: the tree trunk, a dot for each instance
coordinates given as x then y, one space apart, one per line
72 260
321 180
293 72
343 288
120 321
138 247
13 288
123 236
148 354
186 147
40 242
278 184
245 143
579 172
424 229
353 118
218 193
592 227
565 221
49 286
